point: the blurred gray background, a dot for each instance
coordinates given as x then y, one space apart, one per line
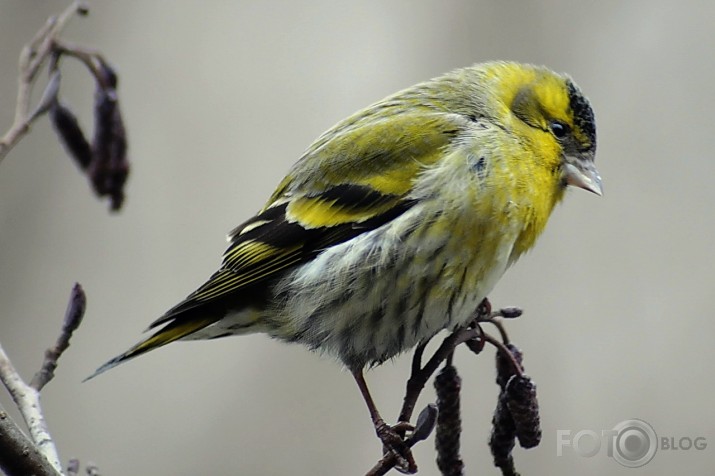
220 98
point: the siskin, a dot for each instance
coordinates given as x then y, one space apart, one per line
397 222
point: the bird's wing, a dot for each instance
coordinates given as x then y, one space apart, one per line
342 187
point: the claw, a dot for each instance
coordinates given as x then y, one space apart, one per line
393 438
402 427
393 442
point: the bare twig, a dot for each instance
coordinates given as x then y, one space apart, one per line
27 397
475 338
388 461
505 352
73 318
105 161
92 58
420 375
418 379
18 455
32 57
27 400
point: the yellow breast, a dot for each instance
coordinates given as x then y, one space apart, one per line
492 197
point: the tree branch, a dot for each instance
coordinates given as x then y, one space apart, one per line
446 413
73 318
18 455
27 400
104 162
416 383
41 450
32 57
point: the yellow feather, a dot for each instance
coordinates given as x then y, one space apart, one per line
386 155
315 212
168 334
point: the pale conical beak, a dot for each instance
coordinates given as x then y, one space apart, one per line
583 175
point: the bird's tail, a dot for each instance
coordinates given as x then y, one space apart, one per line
175 330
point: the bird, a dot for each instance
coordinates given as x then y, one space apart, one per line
399 220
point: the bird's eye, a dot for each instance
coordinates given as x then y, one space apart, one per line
559 129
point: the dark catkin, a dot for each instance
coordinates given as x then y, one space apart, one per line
118 165
524 408
109 168
505 367
502 438
70 133
449 423
506 425
105 160
105 102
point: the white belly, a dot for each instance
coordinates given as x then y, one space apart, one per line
383 292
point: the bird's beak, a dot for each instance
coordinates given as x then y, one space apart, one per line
583 174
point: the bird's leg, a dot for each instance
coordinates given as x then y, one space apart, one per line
390 436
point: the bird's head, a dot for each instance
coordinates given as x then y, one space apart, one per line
558 118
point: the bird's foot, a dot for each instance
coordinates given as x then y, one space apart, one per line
393 442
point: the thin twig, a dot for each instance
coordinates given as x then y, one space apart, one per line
475 337
419 379
90 57
27 397
27 400
500 328
388 461
73 318
32 57
505 352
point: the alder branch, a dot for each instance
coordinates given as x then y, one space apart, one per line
517 405
27 398
73 318
104 161
32 58
18 455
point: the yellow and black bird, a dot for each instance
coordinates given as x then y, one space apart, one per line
397 222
